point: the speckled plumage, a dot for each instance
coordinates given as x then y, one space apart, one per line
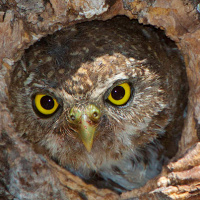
79 66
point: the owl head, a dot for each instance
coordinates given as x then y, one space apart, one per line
94 92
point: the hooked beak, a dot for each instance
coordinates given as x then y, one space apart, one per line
87 132
85 120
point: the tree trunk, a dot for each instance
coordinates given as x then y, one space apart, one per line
27 175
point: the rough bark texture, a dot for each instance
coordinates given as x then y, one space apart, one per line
26 175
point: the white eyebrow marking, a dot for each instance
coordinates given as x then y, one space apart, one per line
66 96
107 84
29 79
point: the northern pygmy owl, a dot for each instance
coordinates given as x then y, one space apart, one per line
104 99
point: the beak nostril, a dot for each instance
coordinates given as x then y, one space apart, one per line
95 114
72 117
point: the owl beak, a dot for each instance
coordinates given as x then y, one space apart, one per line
85 120
87 132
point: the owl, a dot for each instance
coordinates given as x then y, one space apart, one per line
105 100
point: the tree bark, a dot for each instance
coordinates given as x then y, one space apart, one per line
27 175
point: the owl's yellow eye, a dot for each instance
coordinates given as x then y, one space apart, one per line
120 94
45 104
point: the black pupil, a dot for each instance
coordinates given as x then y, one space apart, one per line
118 93
47 102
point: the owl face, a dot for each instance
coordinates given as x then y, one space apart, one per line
93 93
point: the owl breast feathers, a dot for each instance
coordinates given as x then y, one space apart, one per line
104 99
